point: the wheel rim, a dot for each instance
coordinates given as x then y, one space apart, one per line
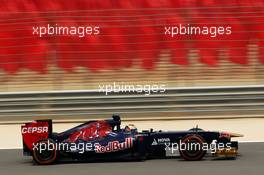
45 156
193 153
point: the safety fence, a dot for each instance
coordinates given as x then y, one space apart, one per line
174 103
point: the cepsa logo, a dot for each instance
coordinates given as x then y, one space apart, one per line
114 146
40 129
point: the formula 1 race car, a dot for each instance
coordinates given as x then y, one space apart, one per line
106 140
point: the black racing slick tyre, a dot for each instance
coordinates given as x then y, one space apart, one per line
193 148
45 153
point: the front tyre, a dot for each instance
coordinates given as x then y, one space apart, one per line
45 153
193 148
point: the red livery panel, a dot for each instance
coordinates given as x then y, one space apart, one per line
34 132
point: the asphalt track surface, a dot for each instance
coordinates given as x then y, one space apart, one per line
250 162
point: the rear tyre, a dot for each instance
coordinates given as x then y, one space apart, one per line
192 152
46 153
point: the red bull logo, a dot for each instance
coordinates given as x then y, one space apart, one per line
114 146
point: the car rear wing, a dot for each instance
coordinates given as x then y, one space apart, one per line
33 132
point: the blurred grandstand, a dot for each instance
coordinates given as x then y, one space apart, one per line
196 74
131 49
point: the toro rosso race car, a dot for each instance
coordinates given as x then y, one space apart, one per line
106 140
